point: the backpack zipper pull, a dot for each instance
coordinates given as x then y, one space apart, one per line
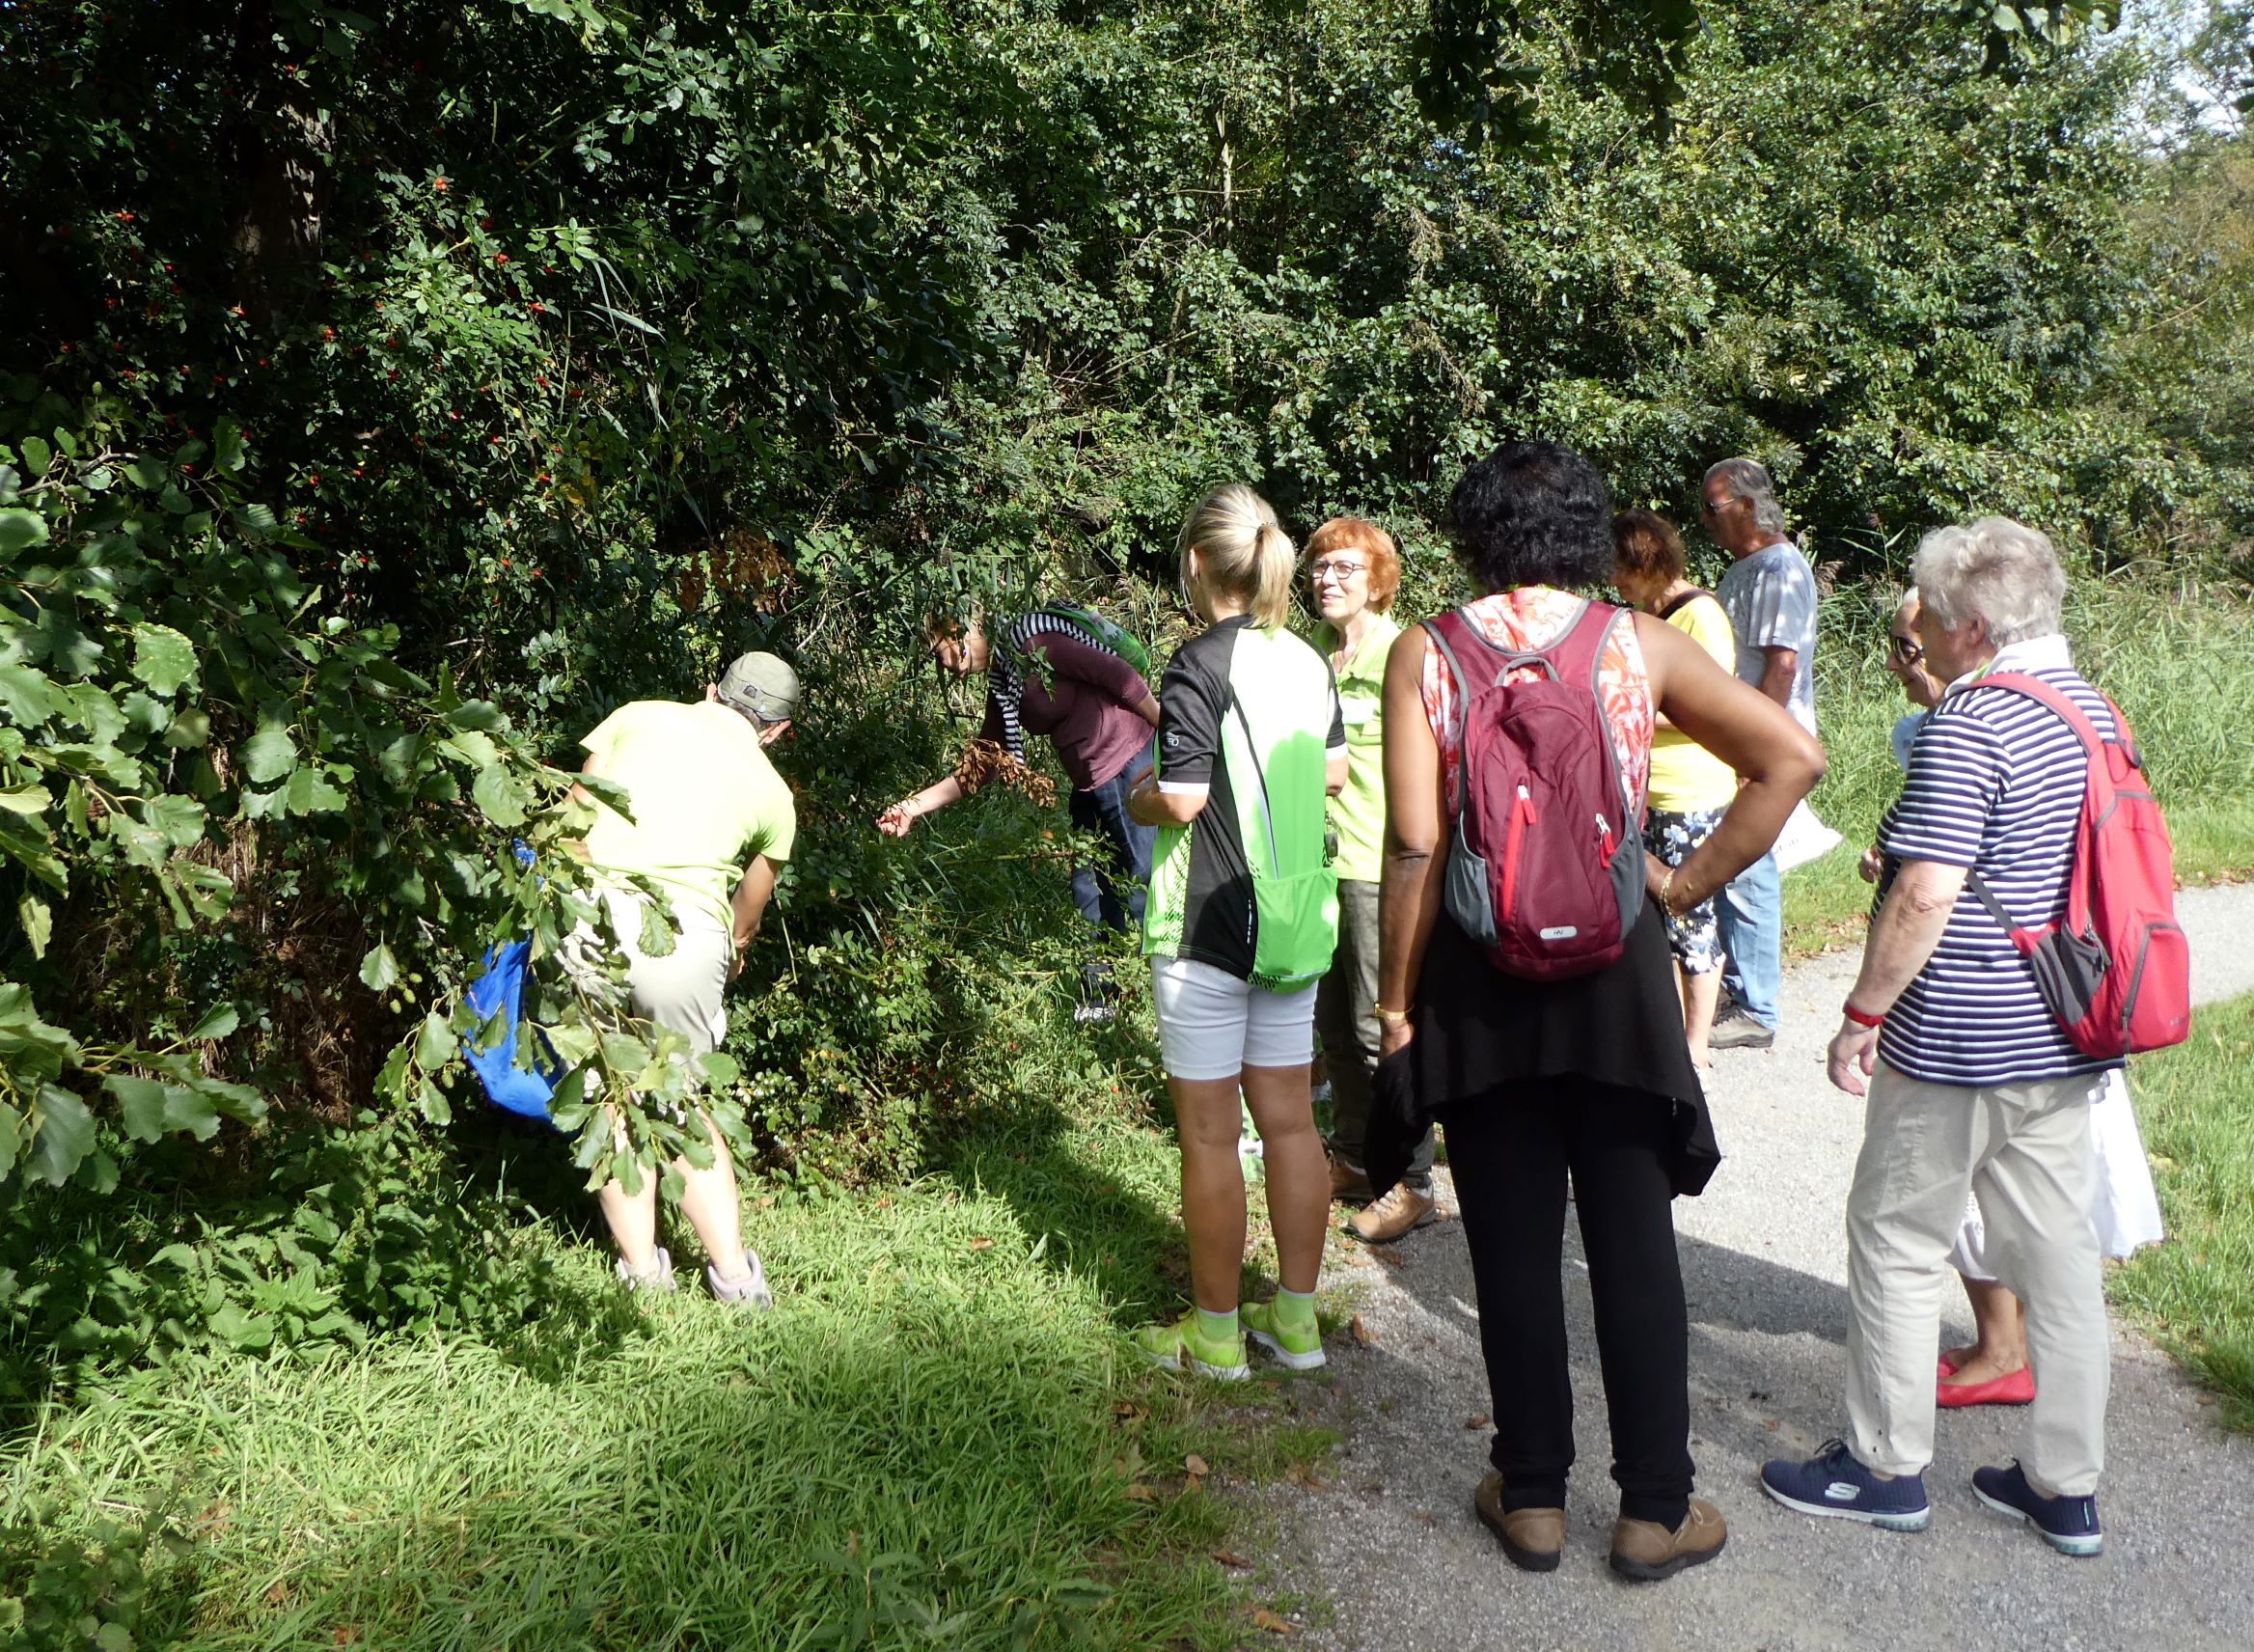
1525 805
1605 840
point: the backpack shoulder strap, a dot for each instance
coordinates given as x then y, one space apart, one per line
2049 697
1595 638
2052 698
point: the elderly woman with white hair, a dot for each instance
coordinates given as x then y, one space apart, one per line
1992 1369
1974 1087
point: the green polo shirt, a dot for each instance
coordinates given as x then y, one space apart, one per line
1358 815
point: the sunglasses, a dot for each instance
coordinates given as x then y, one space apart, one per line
1908 649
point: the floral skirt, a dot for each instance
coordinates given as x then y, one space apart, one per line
1693 936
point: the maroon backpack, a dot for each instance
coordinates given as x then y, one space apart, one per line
2115 967
1546 869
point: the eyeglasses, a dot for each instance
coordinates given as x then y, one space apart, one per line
1908 649
1341 570
1708 508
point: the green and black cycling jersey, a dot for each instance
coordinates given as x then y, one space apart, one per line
1248 719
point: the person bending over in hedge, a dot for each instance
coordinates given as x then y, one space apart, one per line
1061 674
712 820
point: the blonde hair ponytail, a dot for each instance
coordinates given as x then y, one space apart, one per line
1243 552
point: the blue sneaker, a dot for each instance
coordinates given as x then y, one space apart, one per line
2067 1524
1833 1484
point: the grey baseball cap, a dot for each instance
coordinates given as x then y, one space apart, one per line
762 686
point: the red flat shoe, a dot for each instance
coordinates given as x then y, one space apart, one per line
1944 1366
2017 1388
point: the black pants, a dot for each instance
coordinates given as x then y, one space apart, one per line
1511 1150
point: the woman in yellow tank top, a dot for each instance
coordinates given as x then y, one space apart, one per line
1690 785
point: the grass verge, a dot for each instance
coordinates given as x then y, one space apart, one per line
938 1438
2196 1292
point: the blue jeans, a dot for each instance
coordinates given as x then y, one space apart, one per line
1109 893
1751 910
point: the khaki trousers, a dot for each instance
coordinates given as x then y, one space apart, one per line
2024 1151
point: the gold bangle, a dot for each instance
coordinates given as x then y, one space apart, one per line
1667 888
1385 1014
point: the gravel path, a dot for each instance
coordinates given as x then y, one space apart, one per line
1390 1543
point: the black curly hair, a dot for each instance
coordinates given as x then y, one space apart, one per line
1532 513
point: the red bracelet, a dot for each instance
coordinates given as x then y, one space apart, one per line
1860 1017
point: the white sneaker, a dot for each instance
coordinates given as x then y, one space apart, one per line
657 1277
749 1290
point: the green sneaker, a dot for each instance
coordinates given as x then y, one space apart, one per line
1297 1348
1170 1341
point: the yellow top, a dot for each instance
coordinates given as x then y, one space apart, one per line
1685 776
704 798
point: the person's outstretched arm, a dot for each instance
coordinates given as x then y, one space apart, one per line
1416 850
896 820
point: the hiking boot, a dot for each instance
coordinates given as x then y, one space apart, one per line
1533 1538
657 1277
1834 1485
1735 1029
749 1290
1170 1343
2067 1524
1349 1181
1403 1210
1647 1551
1296 1347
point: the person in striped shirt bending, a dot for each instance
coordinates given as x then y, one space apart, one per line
1974 1083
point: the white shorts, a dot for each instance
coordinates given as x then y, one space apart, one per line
1212 1025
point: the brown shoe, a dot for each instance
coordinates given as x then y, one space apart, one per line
1533 1537
1647 1551
1349 1181
1403 1210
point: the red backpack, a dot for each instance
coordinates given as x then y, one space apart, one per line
1546 869
2115 969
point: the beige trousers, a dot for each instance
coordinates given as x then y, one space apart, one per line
2024 1149
684 989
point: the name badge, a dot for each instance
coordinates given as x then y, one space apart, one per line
1357 709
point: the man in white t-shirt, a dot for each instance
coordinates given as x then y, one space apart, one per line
1770 593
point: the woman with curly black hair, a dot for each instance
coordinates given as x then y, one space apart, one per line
1587 1076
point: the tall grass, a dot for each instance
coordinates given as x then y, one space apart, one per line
2179 660
2196 1104
931 1442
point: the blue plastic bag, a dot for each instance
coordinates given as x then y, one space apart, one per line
525 1091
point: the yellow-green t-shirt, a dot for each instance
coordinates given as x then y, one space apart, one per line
1358 815
1685 776
705 797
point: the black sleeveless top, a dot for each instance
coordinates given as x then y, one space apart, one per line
1480 1034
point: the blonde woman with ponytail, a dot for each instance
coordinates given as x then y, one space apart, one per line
1240 925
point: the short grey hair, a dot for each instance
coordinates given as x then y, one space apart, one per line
1749 480
1996 571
